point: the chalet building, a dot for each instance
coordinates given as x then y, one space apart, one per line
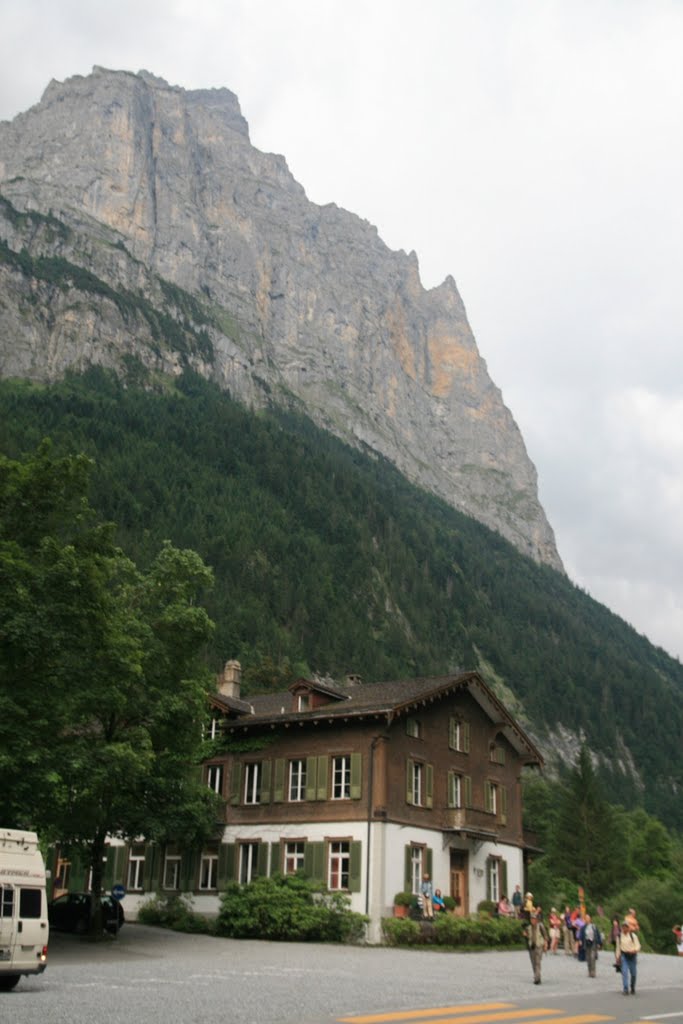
365 787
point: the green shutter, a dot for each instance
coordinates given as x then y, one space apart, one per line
409 781
150 865
451 789
78 872
314 861
467 790
489 894
356 776
275 859
188 871
266 772
355 866
429 785
429 861
279 781
236 782
311 764
503 805
466 737
408 869
488 797
321 790
231 862
223 863
503 878
262 859
108 873
452 723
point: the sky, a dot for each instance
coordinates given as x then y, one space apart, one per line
533 149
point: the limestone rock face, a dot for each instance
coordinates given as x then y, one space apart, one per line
142 185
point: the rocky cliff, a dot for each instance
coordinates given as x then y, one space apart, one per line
140 229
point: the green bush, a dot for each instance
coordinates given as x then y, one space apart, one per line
288 908
174 912
401 931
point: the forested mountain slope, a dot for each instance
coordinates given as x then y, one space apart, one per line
328 561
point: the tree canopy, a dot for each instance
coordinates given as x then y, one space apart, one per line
103 685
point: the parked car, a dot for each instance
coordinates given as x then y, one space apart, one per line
71 913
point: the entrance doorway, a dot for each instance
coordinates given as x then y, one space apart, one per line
459 890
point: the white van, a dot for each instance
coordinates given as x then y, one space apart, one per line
24 927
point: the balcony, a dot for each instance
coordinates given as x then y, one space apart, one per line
473 822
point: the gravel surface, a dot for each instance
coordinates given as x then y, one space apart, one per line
160 977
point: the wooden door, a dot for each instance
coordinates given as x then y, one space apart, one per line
459 890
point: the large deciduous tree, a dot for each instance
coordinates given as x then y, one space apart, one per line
102 685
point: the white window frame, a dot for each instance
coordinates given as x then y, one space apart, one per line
492 800
214 778
208 872
297 780
252 782
248 862
339 864
214 728
493 880
341 777
417 783
456 790
413 727
136 869
172 868
294 853
416 867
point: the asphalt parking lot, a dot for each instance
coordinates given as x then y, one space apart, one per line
159 977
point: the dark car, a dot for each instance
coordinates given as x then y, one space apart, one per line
71 913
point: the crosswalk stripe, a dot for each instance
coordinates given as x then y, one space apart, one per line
465 1016
435 1011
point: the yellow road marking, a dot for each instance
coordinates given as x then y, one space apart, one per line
435 1011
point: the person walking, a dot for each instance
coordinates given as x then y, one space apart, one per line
567 932
517 901
591 940
555 923
627 957
537 942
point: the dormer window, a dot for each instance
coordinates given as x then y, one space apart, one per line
497 753
304 702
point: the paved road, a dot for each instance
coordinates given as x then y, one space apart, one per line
157 977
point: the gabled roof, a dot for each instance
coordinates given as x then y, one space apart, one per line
387 700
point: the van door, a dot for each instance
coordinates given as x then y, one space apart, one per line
7 929
32 931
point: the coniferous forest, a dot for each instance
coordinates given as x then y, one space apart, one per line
326 560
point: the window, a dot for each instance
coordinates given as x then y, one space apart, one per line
252 783
208 871
304 702
417 771
493 890
339 864
419 783
459 735
248 862
136 866
459 790
497 753
491 797
294 858
29 902
6 902
341 778
214 729
172 872
214 778
413 728
297 780
417 868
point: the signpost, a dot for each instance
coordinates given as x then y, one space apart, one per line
118 891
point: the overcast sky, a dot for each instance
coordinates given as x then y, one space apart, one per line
533 150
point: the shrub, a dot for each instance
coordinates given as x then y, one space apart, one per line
403 899
288 908
174 912
401 931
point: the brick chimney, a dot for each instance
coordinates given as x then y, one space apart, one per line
229 680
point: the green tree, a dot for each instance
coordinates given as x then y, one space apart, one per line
102 685
588 837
